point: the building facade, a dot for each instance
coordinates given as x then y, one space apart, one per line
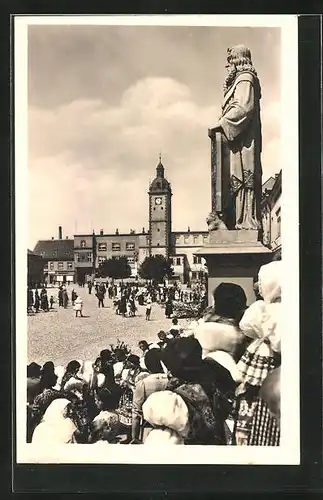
271 214
58 256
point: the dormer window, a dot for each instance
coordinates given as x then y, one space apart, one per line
83 243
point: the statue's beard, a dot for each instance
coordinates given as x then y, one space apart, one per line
230 78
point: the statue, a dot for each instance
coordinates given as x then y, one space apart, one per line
240 129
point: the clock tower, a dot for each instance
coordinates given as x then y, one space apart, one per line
160 214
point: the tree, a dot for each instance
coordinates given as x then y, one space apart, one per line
155 267
115 268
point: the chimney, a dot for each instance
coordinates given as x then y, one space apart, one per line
143 230
59 232
101 232
67 237
188 229
52 237
117 231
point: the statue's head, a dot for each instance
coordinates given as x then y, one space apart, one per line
238 60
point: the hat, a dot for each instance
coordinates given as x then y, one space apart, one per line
182 356
230 300
132 358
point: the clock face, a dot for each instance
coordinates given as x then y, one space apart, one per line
158 201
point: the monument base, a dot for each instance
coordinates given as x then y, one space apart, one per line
234 256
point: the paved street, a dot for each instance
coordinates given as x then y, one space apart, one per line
60 337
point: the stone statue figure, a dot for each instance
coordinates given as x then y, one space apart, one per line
240 127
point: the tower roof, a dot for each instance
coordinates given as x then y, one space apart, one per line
160 183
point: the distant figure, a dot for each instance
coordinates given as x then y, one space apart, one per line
44 300
148 308
30 299
65 299
73 296
90 287
78 306
100 296
169 308
37 301
60 297
51 301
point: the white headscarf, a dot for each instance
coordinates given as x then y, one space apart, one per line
161 437
54 427
262 319
167 409
269 281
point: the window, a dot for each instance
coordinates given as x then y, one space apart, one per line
178 261
158 230
171 261
115 247
77 257
102 247
193 275
185 240
131 260
130 246
195 239
70 265
42 254
61 265
101 260
83 243
205 237
147 240
177 239
197 259
51 266
89 256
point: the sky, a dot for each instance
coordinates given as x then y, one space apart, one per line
104 101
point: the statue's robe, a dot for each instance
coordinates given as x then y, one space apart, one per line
241 126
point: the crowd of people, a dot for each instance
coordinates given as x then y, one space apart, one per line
217 382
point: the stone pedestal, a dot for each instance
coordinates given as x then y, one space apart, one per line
234 256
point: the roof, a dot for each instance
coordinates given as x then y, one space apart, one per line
159 184
55 249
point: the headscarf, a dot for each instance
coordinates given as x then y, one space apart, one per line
167 409
162 437
183 357
54 427
262 320
269 281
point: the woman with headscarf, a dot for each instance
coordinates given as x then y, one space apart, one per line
155 380
55 428
47 394
71 381
205 386
219 327
128 382
261 324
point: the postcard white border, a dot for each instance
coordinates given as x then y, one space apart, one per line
289 450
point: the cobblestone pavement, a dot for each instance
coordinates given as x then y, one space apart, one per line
59 336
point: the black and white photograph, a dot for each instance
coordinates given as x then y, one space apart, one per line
156 167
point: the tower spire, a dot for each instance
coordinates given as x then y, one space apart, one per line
160 168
